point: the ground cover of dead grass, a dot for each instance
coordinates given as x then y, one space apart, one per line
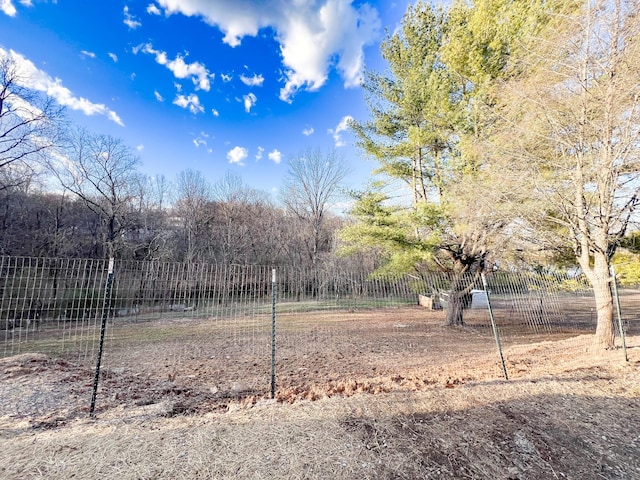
388 397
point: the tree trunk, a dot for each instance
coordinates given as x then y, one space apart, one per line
604 307
599 278
465 272
455 309
459 297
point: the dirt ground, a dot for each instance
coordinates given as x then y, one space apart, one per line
359 395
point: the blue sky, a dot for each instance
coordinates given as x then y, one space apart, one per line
211 85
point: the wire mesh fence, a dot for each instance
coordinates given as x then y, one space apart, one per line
52 305
213 324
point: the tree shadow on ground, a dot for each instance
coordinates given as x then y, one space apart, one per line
531 437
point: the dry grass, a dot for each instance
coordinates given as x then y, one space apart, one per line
578 424
392 399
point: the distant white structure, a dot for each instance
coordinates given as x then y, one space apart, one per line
479 299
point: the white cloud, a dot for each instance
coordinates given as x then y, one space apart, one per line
226 78
249 101
113 56
314 36
255 81
275 155
152 9
259 154
341 127
192 102
215 112
237 155
7 7
159 97
36 79
86 53
140 148
202 142
308 131
196 71
129 20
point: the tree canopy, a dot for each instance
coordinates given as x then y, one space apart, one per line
569 137
515 126
430 113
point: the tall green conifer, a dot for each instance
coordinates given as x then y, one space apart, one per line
429 113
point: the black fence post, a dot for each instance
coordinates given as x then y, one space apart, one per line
105 314
614 287
495 327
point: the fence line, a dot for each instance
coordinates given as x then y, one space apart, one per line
65 296
54 306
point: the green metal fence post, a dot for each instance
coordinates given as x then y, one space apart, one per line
105 314
614 287
273 332
494 326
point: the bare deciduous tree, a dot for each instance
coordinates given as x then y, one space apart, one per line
193 192
312 182
572 128
30 123
102 171
241 216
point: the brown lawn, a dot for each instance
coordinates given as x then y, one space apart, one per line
359 395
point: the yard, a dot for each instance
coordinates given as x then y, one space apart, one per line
360 394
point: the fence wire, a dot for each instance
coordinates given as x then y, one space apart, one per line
213 322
